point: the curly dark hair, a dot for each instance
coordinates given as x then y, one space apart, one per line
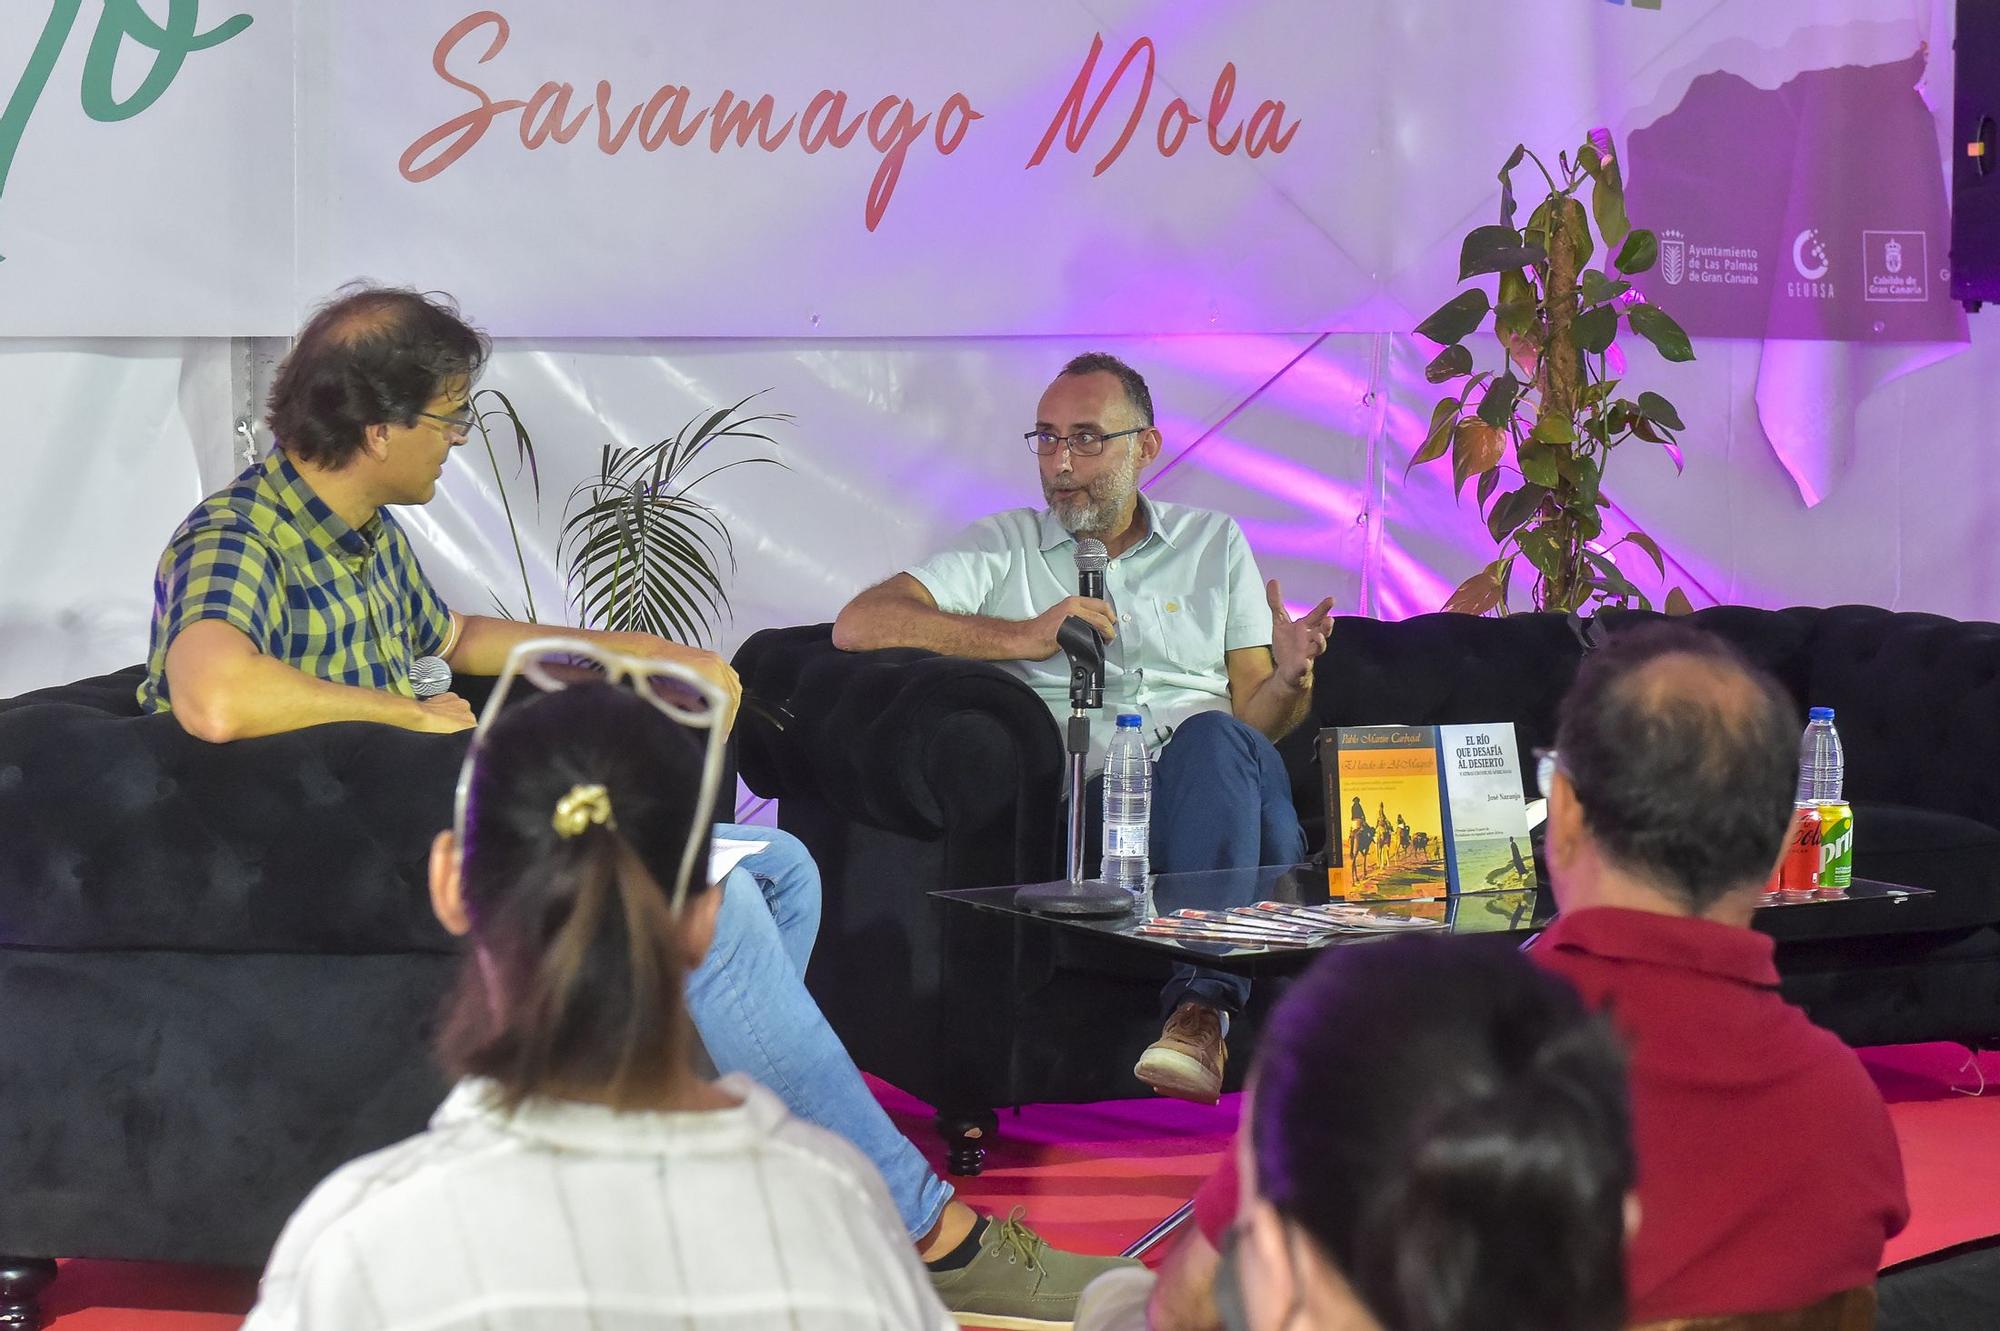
371 356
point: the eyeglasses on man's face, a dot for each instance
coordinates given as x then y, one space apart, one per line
458 426
1083 443
1547 763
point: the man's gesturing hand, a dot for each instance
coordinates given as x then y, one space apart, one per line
1296 643
1038 635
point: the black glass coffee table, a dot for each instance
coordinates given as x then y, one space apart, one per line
1029 992
977 918
1866 908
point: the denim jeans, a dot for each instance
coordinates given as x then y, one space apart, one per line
1221 800
749 1003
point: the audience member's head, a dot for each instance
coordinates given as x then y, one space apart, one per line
1676 765
1437 1140
371 357
577 824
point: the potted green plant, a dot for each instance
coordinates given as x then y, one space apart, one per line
640 551
1537 433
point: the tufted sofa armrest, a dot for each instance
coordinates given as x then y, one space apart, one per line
900 739
125 832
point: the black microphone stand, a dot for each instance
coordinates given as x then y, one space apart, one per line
1078 895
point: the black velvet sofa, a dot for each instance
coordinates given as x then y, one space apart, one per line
906 772
218 974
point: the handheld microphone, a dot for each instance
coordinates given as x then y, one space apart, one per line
1090 561
429 676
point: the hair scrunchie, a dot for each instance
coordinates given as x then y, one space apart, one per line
580 809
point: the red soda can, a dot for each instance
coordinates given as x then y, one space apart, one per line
1798 872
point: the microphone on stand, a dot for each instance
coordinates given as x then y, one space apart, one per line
1084 646
429 676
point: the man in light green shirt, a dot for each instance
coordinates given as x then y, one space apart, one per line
1196 643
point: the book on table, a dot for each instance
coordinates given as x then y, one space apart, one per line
1424 811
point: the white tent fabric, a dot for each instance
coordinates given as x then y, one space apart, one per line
108 444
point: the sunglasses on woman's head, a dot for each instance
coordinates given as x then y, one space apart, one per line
550 664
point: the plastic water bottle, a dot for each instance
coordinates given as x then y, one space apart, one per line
1128 806
1822 766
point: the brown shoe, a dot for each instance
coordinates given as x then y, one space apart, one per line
1186 1062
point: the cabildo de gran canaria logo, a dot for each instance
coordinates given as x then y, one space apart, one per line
121 20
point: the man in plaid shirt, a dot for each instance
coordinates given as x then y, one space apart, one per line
292 597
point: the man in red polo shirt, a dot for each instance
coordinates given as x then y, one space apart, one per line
1769 1176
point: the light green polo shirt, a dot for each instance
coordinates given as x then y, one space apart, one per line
1186 594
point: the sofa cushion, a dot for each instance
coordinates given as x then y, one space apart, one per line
1779 641
123 831
1944 852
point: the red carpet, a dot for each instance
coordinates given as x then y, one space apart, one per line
1096 1177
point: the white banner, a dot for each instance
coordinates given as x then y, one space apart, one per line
853 168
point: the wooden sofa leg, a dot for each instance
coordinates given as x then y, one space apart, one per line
966 1133
22 1280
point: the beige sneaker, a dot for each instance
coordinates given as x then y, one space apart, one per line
1186 1062
1018 1282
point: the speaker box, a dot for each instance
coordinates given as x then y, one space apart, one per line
1975 172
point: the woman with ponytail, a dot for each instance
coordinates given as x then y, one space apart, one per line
582 1173
1436 1138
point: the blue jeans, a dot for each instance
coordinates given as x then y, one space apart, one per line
749 1003
1221 800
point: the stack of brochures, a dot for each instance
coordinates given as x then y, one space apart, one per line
1276 924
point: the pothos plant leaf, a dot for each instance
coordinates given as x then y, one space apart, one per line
1492 249
1639 252
1597 288
1484 591
1476 449
1512 509
1656 326
1594 329
1456 317
1438 439
1450 363
1496 408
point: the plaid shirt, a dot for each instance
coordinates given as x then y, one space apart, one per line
269 558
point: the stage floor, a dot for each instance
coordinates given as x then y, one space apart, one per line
1096 1177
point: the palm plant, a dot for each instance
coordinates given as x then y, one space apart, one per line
640 551
524 455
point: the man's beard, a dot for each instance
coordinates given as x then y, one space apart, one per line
1097 508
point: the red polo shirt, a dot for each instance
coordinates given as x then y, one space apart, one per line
1769 1175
